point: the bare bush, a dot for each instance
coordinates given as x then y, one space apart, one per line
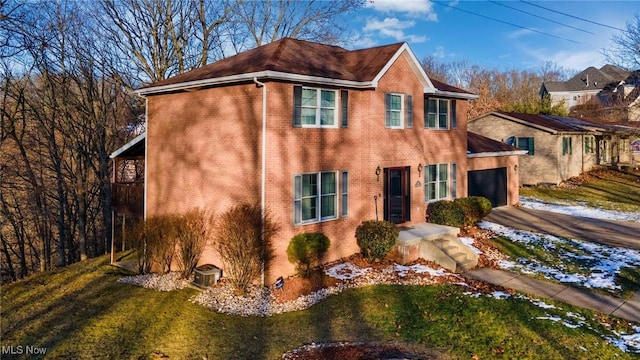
243 240
192 231
160 235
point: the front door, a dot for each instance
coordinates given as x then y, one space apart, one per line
397 195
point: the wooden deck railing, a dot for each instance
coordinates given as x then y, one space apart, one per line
128 198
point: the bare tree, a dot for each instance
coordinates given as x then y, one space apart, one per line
625 49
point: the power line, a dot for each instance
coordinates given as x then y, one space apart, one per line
572 16
505 22
540 17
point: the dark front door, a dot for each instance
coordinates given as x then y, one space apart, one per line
397 195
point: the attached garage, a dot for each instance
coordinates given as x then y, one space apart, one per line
492 170
490 183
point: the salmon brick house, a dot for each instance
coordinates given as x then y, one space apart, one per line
322 137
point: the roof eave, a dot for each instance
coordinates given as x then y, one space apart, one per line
128 145
268 74
497 153
457 95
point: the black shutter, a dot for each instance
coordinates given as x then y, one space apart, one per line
387 110
297 106
409 111
454 120
344 102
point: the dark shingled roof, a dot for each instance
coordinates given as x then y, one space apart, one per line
477 143
597 79
554 122
296 57
446 87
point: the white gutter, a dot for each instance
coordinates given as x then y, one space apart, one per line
497 153
457 95
263 175
275 75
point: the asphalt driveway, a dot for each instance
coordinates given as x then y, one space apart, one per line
614 233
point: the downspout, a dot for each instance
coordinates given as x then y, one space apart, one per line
146 158
263 174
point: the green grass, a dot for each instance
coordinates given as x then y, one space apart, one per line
612 190
81 312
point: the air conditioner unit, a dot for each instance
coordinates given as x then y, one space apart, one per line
206 275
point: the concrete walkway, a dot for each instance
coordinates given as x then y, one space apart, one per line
625 309
614 233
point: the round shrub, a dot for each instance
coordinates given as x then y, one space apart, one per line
306 250
445 212
376 238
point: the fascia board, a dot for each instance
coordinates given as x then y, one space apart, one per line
128 145
497 153
415 66
268 74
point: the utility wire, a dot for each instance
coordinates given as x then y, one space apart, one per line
572 16
540 17
505 22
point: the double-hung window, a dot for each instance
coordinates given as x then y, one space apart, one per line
317 107
315 197
436 182
440 114
394 111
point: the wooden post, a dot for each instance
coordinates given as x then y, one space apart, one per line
113 247
124 222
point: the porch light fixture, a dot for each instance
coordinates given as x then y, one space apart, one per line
378 171
515 167
419 169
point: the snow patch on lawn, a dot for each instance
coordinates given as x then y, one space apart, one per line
578 210
598 264
468 242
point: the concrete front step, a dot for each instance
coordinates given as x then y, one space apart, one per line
435 243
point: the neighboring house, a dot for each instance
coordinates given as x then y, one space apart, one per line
621 100
558 147
581 88
322 137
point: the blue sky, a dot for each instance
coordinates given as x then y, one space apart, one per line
448 31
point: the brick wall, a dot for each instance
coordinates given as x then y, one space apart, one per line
204 150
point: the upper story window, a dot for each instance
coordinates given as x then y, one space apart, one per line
320 108
440 114
398 111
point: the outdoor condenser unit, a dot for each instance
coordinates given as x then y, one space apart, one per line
206 275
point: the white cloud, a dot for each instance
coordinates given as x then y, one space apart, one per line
393 28
413 8
577 60
519 33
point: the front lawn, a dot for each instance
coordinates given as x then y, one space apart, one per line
606 189
81 312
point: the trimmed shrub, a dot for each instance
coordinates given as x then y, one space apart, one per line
376 238
475 209
192 232
460 212
306 250
445 212
244 243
